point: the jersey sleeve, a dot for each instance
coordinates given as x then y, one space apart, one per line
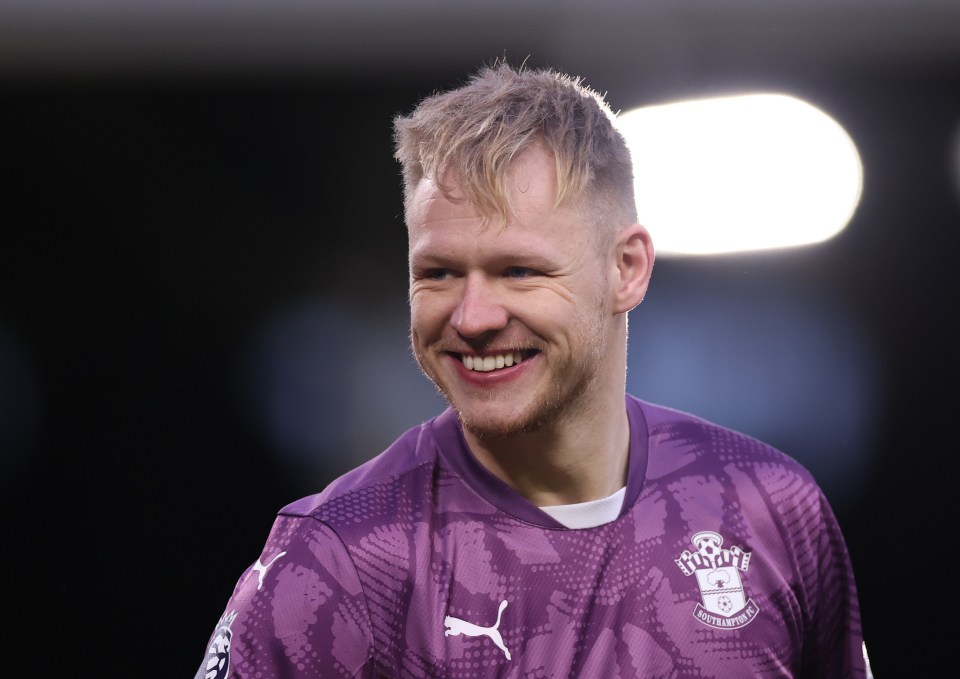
834 642
296 612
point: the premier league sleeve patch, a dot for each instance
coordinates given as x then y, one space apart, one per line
724 603
217 663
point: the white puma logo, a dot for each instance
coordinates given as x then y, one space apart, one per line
457 626
262 570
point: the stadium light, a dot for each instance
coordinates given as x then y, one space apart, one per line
741 173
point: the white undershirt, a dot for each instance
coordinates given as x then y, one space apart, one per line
588 514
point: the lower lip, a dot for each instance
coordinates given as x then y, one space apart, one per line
493 377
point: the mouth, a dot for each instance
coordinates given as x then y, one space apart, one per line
493 361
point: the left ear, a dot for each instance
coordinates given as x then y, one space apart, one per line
634 263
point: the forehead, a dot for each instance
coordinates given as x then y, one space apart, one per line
531 183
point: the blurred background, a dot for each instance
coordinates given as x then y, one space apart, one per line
203 305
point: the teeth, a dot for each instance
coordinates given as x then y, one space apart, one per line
488 363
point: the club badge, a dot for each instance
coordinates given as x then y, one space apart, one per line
725 605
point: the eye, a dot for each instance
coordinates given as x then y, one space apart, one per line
436 274
519 272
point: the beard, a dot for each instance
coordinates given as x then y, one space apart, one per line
545 410
563 391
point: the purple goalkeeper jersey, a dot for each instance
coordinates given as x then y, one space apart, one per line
725 561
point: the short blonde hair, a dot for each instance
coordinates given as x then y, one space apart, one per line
477 129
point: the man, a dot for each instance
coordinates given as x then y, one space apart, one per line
547 524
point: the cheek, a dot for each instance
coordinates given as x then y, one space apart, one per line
426 317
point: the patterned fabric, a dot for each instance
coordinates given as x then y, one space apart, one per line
726 561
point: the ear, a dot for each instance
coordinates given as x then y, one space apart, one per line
634 263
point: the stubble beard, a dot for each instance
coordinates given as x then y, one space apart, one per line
568 383
544 412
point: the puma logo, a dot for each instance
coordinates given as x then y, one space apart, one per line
457 626
262 570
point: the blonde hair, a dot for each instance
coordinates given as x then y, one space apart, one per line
476 130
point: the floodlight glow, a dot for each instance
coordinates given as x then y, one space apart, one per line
734 174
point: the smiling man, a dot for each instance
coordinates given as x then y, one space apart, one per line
547 524
522 327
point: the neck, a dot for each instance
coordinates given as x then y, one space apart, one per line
582 456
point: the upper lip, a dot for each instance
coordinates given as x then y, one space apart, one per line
492 352
485 352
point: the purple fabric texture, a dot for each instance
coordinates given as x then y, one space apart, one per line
726 561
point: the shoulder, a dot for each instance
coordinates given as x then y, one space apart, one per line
681 442
310 556
711 477
305 573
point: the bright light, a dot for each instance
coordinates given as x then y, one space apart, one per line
742 173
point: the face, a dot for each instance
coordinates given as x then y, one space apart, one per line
512 324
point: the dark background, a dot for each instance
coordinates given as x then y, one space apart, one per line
202 233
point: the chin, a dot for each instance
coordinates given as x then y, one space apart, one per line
513 411
490 425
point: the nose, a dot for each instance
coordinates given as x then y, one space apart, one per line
480 309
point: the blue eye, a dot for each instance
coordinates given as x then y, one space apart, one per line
519 272
437 274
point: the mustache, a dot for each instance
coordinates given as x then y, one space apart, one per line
499 345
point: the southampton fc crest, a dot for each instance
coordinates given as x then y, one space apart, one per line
725 605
